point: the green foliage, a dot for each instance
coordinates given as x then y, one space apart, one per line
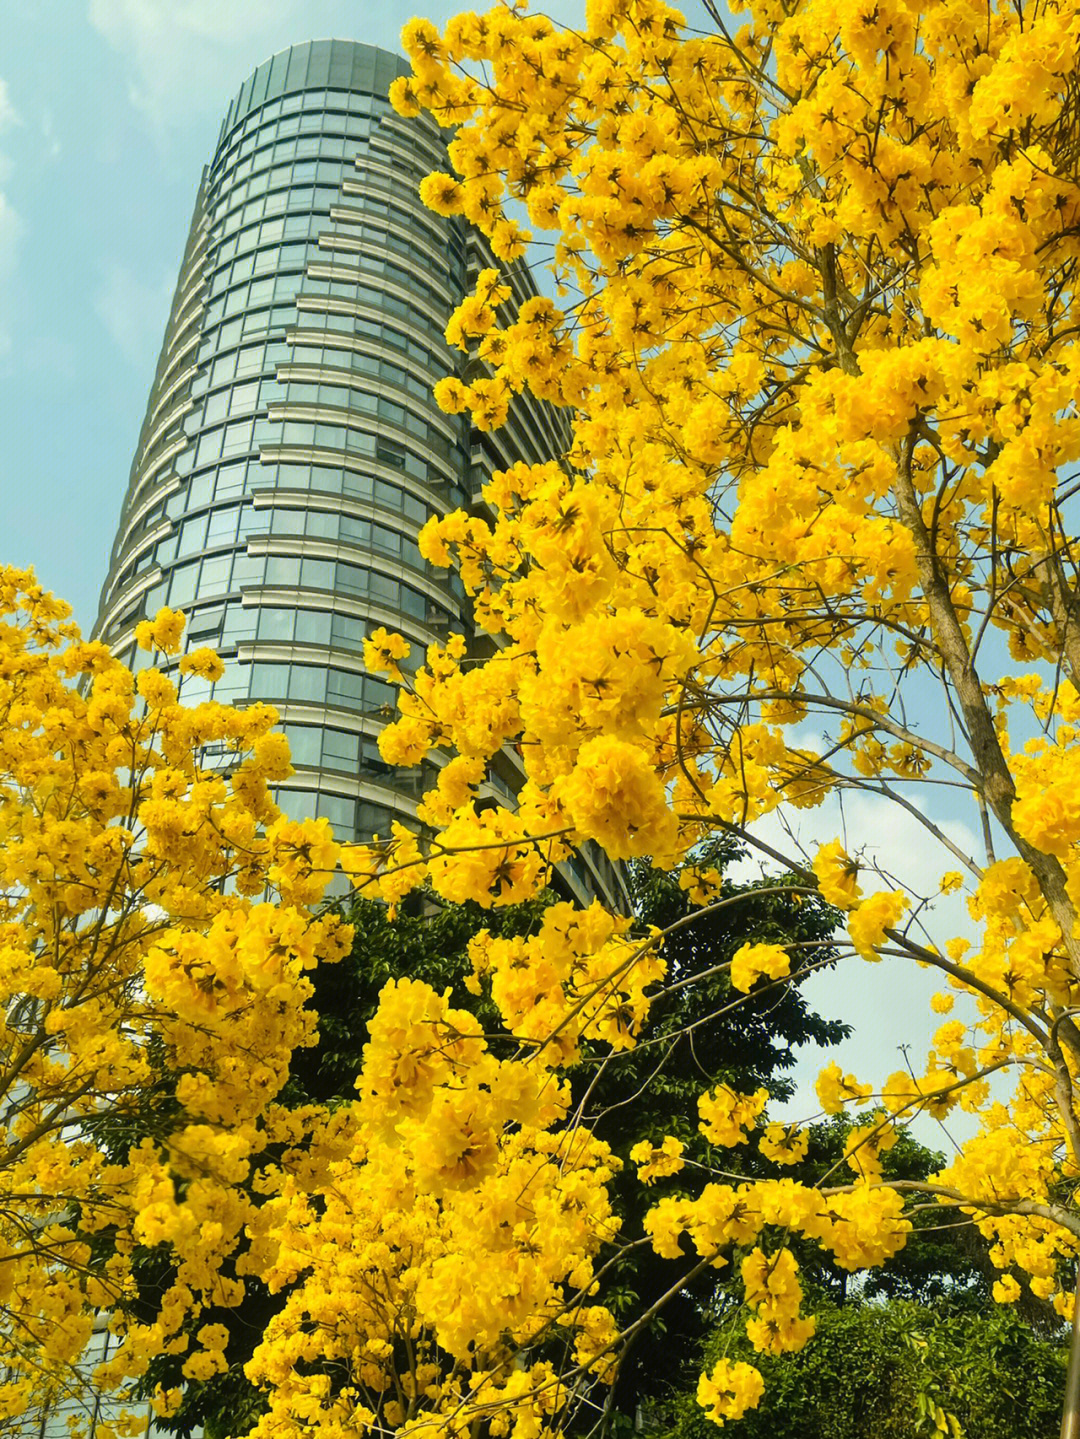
894 1371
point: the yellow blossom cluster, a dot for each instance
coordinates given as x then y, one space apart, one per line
460 1227
134 925
816 322
580 976
729 1390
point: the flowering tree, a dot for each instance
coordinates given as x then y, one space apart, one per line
818 329
818 324
129 923
440 1236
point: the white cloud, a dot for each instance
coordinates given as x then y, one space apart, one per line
9 116
134 313
188 55
11 229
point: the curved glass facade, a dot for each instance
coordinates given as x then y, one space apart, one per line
291 450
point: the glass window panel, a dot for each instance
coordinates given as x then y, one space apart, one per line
415 509
244 399
230 480
293 477
269 680
306 682
282 570
413 603
328 481
348 632
384 589
195 689
253 521
193 535
345 687
304 743
209 448
313 627
352 580
223 369
340 746
322 524
239 623
199 491
183 583
216 573
222 527
362 486
354 531
317 574
276 625
237 438
340 812
248 570
250 360
286 522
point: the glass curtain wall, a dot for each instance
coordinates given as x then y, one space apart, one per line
292 451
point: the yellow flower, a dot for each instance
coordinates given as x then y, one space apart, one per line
383 651
657 1161
753 961
784 1143
156 689
729 1390
613 795
164 632
1005 1290
203 662
727 1117
835 1089
836 873
868 922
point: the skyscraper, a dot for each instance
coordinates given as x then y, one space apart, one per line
292 451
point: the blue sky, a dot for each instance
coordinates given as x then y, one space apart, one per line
108 111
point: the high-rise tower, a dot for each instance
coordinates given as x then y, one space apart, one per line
292 451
